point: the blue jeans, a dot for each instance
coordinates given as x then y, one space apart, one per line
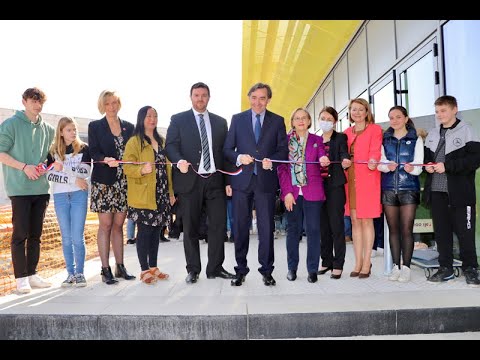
71 210
311 211
230 216
130 229
281 221
347 221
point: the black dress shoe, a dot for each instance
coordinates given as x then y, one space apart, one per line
173 235
121 272
239 280
321 272
269 280
224 274
191 278
291 275
312 277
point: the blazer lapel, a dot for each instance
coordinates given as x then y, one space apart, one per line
192 124
309 145
213 127
123 128
333 144
105 126
249 125
267 120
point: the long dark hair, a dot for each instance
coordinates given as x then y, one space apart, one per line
409 124
140 129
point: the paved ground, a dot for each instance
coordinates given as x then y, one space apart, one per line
217 297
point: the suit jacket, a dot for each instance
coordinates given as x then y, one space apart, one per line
272 144
313 191
338 151
102 145
184 142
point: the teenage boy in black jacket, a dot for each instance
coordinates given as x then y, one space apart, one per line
454 149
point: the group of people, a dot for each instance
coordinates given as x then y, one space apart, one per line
136 173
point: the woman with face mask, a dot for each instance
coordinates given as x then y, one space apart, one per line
331 214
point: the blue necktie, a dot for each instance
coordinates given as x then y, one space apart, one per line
258 130
204 140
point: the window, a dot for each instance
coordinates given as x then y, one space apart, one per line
462 53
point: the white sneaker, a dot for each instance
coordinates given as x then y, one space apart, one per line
404 274
374 253
37 282
23 285
395 274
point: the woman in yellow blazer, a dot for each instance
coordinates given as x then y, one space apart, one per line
149 190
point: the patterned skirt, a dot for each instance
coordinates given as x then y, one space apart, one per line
109 198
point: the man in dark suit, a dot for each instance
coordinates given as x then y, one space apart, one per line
195 142
255 134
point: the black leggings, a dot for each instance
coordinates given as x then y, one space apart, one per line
400 225
147 245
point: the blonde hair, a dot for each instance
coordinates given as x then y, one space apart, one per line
59 147
102 98
370 119
297 110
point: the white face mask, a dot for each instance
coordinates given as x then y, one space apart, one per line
325 126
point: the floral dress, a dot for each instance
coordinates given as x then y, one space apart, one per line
161 216
111 198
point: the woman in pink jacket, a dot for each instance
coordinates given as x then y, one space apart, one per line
302 191
363 186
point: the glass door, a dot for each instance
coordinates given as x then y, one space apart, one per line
418 85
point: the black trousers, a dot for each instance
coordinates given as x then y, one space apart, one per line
28 214
448 219
332 229
206 192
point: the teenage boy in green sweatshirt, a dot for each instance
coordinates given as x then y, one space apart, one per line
25 140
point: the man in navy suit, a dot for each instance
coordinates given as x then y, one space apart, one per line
255 134
195 141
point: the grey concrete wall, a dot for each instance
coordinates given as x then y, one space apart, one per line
236 327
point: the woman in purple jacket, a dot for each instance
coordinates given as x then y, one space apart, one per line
302 191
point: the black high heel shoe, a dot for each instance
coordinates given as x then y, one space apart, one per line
364 276
335 276
162 235
121 272
107 276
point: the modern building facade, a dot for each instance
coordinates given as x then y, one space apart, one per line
387 62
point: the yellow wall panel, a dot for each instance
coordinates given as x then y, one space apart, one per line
292 56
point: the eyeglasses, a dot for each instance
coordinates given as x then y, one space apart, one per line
304 118
152 116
